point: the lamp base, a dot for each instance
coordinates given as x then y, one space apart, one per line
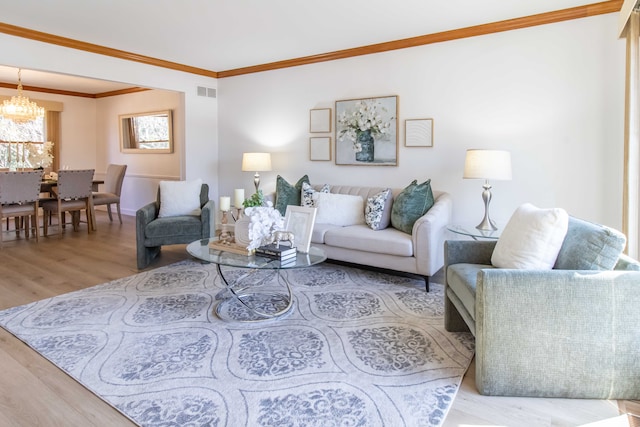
487 223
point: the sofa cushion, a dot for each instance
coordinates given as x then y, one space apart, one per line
462 279
180 198
309 194
531 239
287 194
590 246
362 238
377 213
413 202
320 230
339 209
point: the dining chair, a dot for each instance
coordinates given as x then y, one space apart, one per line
73 194
112 189
19 194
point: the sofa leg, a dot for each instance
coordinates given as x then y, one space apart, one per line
426 283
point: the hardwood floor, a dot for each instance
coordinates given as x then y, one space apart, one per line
33 392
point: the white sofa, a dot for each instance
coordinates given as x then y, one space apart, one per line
420 253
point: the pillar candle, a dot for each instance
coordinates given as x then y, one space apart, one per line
225 203
238 197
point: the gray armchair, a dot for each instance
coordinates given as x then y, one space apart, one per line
546 333
153 232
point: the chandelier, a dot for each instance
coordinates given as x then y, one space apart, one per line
20 109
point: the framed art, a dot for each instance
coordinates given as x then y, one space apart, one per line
320 120
299 220
418 133
367 131
320 148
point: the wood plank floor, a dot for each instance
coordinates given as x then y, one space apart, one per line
33 392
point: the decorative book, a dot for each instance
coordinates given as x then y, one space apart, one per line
272 251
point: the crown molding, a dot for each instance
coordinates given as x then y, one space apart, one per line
461 33
73 93
578 12
27 33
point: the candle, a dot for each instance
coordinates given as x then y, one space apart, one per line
225 203
238 197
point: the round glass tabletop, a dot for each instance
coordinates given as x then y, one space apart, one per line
473 232
201 250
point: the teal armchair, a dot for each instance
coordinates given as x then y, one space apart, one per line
152 232
546 333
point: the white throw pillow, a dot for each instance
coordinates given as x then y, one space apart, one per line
339 209
531 239
180 198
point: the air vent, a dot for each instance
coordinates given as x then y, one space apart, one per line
206 91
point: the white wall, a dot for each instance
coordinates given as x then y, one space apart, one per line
553 95
144 171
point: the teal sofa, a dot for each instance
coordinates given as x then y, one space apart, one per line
546 333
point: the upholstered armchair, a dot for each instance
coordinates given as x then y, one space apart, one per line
549 333
154 230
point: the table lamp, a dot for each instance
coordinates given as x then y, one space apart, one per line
487 164
256 162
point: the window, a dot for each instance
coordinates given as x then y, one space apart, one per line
22 144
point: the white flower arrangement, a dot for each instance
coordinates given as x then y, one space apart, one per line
40 155
366 117
264 221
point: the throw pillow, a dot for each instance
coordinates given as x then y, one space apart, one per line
590 246
309 193
339 209
287 194
531 239
180 198
377 213
413 202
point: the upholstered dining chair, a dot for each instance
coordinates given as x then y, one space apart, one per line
19 194
73 194
112 189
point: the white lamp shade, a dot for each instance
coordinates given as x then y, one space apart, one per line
487 164
256 162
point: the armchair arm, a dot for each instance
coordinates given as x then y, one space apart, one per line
429 233
560 333
207 216
146 214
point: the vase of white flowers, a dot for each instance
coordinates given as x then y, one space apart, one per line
362 126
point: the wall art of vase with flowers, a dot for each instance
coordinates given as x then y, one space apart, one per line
364 122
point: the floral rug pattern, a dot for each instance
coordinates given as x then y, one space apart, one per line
358 348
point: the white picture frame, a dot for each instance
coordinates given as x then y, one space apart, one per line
320 148
320 120
418 133
300 220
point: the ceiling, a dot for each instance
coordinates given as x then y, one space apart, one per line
221 35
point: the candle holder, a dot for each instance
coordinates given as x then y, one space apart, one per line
225 236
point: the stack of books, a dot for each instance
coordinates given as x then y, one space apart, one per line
284 254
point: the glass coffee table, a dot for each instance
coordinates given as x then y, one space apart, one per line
242 297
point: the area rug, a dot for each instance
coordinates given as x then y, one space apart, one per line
358 348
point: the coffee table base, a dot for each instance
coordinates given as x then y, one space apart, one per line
253 306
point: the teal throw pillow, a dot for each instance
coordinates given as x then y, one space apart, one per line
287 194
413 202
589 246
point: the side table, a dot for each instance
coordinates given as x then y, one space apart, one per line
473 232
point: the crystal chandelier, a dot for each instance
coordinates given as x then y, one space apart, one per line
20 109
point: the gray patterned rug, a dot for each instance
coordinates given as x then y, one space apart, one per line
358 348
